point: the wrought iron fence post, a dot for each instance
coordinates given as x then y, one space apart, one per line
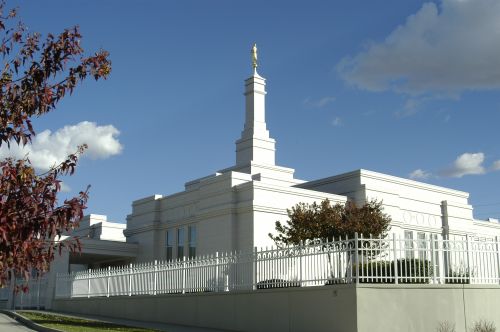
38 295
301 249
443 258
395 254
356 257
22 300
107 281
348 259
155 280
469 257
433 260
497 240
88 282
184 275
56 292
217 287
13 283
254 260
72 279
130 280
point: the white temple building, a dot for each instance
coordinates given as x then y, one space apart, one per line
234 209
237 207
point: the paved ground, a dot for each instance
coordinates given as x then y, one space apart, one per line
157 326
7 324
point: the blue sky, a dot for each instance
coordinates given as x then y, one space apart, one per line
408 88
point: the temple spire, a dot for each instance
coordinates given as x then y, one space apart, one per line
255 145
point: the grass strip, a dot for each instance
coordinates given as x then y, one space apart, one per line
72 324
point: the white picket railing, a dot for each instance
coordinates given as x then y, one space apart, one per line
5 293
357 260
35 295
31 294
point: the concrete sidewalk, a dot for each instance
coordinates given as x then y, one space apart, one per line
8 324
135 323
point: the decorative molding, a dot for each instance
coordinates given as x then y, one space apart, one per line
106 246
487 224
387 178
300 192
421 219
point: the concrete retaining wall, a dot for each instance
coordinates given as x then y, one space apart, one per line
339 308
420 308
328 309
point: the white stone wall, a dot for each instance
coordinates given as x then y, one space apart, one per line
412 205
270 204
97 227
236 211
231 211
209 204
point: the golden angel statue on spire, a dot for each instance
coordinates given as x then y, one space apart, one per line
254 56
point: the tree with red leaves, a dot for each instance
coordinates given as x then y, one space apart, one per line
36 75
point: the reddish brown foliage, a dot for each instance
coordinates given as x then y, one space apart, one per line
37 74
30 220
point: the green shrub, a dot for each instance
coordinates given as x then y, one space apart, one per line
412 270
335 281
383 271
277 283
415 271
445 327
457 277
201 290
483 326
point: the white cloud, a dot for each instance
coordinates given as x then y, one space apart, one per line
50 148
439 50
496 165
419 174
65 188
337 122
320 103
466 164
410 108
